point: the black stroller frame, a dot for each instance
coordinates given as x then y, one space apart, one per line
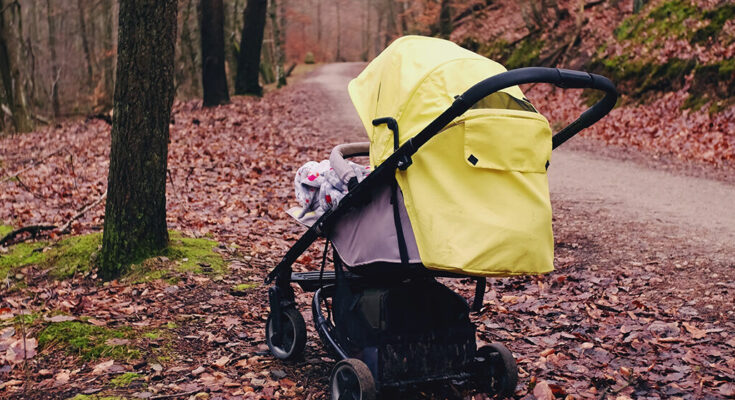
361 377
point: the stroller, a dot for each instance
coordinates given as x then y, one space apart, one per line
458 189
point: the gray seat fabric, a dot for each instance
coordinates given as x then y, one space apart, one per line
367 234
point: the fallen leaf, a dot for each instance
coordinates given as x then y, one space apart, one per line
103 367
694 331
542 391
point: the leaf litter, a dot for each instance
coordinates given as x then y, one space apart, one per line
617 319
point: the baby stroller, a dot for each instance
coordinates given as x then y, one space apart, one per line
458 189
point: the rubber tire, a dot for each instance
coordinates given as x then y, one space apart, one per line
359 377
296 335
500 374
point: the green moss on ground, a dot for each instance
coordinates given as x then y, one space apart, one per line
73 255
65 258
125 379
195 255
243 288
717 19
5 229
88 341
95 397
21 255
668 19
77 254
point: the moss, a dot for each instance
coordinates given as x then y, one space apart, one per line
153 335
524 54
717 19
641 76
73 255
195 255
171 325
243 288
95 397
125 379
88 341
695 102
665 20
21 255
65 257
5 229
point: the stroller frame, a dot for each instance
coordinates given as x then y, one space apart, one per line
281 294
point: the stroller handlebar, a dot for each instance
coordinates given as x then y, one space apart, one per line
563 78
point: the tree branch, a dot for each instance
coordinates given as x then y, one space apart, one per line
64 228
34 230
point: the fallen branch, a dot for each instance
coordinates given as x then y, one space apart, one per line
290 70
41 119
102 116
65 228
33 164
34 230
170 396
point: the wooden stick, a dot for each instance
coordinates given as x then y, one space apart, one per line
64 228
33 164
170 396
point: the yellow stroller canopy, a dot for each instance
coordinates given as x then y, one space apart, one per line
477 193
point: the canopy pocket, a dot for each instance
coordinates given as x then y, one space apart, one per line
507 140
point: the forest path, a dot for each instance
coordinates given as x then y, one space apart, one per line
695 206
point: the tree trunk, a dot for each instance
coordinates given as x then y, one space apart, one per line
338 57
211 27
55 73
248 61
319 21
85 42
366 32
445 19
135 213
188 43
278 42
10 72
391 29
108 59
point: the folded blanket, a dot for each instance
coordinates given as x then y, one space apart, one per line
319 188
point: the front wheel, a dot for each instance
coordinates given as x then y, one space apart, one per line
292 340
498 370
352 380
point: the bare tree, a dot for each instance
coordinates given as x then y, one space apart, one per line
85 42
55 73
10 71
211 27
135 213
251 42
278 28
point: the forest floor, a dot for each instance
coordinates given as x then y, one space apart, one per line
639 306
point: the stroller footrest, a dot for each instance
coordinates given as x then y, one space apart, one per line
311 281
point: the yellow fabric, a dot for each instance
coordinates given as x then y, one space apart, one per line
477 193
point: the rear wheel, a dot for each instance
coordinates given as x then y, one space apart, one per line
498 371
351 380
293 338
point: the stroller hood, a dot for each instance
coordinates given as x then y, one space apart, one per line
477 193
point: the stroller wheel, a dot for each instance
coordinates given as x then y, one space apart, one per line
293 338
351 380
498 371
